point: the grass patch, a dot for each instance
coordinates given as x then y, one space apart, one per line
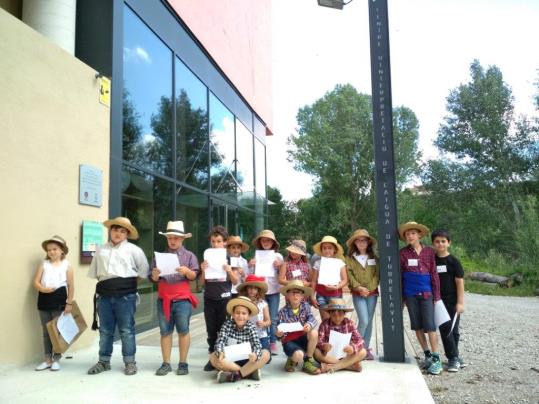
482 289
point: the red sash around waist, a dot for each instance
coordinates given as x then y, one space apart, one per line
169 292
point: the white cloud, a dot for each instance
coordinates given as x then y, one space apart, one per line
137 54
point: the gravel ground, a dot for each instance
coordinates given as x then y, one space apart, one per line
500 342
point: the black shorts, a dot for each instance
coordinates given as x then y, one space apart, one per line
421 312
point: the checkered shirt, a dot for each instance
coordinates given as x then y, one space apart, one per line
246 334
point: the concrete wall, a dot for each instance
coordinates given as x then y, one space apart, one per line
237 33
50 122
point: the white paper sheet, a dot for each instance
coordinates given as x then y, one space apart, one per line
67 327
235 262
440 313
453 323
338 341
238 352
290 327
264 263
216 258
330 271
166 263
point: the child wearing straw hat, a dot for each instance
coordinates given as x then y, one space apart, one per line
175 300
265 240
352 354
235 247
363 271
299 344
239 329
328 247
117 265
296 264
420 289
55 283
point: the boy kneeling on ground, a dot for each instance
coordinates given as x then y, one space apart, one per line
355 350
238 329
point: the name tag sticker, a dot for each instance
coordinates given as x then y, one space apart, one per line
412 262
371 261
296 273
441 268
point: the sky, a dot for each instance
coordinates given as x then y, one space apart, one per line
432 44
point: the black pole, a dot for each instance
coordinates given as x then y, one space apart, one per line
386 212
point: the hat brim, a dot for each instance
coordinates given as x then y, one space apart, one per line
244 246
263 286
318 251
63 247
174 233
296 250
423 230
232 303
351 240
255 240
345 309
306 290
133 233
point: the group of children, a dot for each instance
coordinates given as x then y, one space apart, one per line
240 306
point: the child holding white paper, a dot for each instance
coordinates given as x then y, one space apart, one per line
353 352
420 290
328 247
238 329
217 292
296 264
235 247
363 271
298 345
55 283
266 241
175 300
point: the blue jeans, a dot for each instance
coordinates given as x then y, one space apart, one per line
180 315
120 312
365 307
273 306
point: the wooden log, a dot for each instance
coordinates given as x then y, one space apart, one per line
491 278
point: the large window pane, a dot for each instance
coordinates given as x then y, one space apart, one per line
147 108
222 167
260 161
191 128
192 209
246 226
245 174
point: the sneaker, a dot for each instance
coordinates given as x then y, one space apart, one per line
208 367
43 366
227 377
55 366
99 367
130 368
370 355
183 369
453 365
164 369
427 362
273 348
256 375
462 363
436 367
309 366
290 365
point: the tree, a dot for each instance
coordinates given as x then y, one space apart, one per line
334 144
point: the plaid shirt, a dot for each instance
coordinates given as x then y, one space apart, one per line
286 315
248 333
186 259
297 265
346 327
426 264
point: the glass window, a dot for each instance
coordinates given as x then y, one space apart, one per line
260 162
192 128
192 209
244 156
147 93
246 226
222 167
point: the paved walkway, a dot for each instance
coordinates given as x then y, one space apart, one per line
379 382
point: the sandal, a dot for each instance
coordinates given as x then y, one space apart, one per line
309 366
290 365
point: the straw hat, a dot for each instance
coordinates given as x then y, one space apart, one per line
253 280
175 228
336 304
297 247
357 234
125 223
58 240
296 284
403 228
237 240
328 239
267 234
241 301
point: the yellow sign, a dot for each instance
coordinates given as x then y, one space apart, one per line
104 91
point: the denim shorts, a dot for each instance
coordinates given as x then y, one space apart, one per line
298 344
421 312
324 300
180 315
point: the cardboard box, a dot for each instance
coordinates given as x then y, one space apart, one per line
59 345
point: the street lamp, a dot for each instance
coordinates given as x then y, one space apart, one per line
386 202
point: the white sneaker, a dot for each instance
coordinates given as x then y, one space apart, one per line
42 366
55 366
